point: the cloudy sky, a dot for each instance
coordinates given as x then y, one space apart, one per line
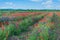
30 4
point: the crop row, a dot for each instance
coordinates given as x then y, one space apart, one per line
43 32
23 25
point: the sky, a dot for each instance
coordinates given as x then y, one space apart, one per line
29 4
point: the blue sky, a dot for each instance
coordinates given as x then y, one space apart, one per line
30 4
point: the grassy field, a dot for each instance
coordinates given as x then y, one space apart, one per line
29 24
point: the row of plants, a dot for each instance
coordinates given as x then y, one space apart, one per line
3 19
34 32
34 35
23 25
44 31
56 21
8 31
48 29
23 17
40 32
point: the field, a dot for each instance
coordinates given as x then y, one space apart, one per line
29 25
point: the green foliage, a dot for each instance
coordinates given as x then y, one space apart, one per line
9 30
33 35
23 25
54 17
44 31
28 22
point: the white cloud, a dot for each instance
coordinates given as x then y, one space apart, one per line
4 7
35 0
9 3
48 4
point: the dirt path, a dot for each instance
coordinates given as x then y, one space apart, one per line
58 13
45 18
24 14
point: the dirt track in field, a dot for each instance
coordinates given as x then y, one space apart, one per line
58 13
24 14
50 14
